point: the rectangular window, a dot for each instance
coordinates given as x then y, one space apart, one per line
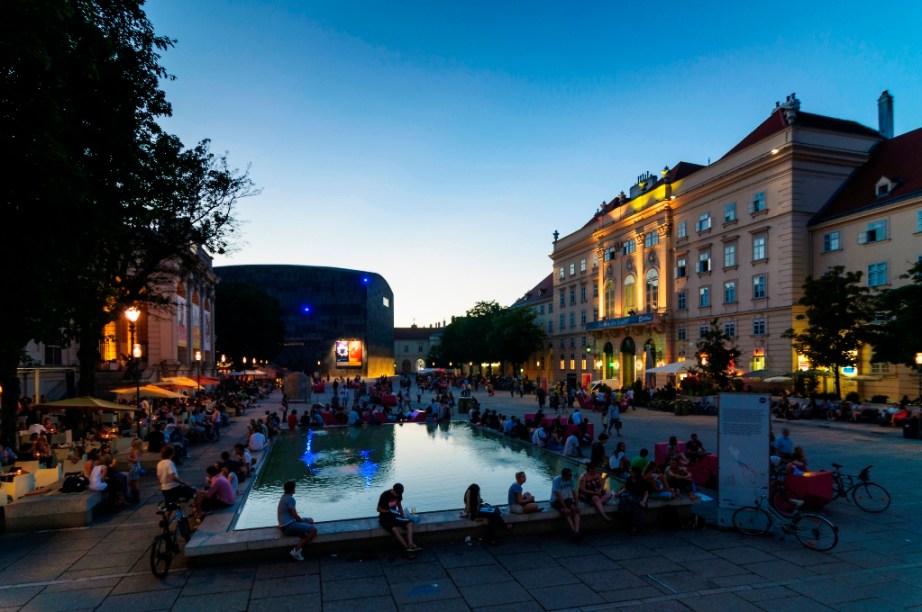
610 253
584 341
582 294
759 248
877 274
704 262
758 327
541 309
562 344
650 239
550 309
406 348
682 334
563 298
877 231
572 269
572 345
729 212
758 287
582 265
582 364
730 328
704 297
595 314
880 369
681 267
550 327
595 290
562 323
730 292
563 274
682 300
758 203
628 247
595 262
53 355
572 295
704 222
682 230
919 220
582 317
572 363
729 255
703 330
563 364
572 319
831 242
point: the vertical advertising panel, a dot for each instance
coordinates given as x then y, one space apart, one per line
744 423
182 322
349 353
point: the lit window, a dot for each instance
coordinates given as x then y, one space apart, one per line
759 248
729 212
629 282
877 231
758 203
730 292
758 287
704 297
609 300
832 242
880 369
729 255
877 274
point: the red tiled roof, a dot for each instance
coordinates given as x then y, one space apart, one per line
899 159
539 292
775 123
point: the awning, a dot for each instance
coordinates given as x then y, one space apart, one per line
762 374
777 379
673 368
207 380
178 381
148 391
86 402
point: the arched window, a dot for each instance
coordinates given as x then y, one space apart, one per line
610 300
651 289
629 294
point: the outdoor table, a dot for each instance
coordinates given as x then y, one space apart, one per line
17 483
815 488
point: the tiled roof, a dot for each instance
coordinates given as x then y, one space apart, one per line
776 123
898 159
540 291
415 333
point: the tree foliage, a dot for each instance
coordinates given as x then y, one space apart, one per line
490 333
838 308
899 338
716 353
114 201
250 321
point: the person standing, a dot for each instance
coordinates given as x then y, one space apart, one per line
292 524
614 416
392 518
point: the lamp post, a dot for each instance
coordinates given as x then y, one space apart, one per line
198 360
919 370
132 313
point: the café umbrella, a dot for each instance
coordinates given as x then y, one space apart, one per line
86 402
148 391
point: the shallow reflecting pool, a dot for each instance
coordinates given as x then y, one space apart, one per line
342 471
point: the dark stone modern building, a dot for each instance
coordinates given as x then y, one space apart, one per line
337 322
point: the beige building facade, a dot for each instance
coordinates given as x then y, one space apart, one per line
729 241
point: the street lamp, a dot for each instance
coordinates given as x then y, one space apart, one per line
198 359
132 313
919 370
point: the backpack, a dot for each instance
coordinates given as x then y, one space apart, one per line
75 483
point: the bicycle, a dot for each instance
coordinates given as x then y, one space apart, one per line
812 530
868 496
166 543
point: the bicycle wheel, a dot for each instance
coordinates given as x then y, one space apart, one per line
871 497
815 532
161 555
752 520
782 501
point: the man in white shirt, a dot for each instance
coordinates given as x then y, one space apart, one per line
571 446
257 441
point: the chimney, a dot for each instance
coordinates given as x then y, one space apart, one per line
885 114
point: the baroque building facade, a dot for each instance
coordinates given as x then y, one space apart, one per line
635 286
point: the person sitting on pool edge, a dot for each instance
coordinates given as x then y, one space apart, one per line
292 524
563 499
392 518
520 501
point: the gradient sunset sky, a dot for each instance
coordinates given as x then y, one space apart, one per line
441 144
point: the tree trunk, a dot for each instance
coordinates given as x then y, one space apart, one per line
88 356
9 401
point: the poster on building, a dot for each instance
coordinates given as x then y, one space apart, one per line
349 353
196 324
182 322
743 428
206 335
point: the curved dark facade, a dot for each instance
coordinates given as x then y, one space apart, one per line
323 306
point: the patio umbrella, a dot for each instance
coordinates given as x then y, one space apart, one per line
86 402
673 368
207 380
148 391
777 379
178 381
761 374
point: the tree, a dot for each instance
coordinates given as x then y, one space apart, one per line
838 307
899 338
716 353
250 322
516 336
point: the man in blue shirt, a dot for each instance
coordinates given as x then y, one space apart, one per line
784 447
563 499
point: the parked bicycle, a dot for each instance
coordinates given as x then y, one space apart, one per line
868 496
812 530
173 522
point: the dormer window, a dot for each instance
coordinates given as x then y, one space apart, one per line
883 187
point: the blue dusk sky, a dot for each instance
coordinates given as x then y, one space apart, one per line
441 144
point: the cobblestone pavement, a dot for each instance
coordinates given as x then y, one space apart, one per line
877 564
